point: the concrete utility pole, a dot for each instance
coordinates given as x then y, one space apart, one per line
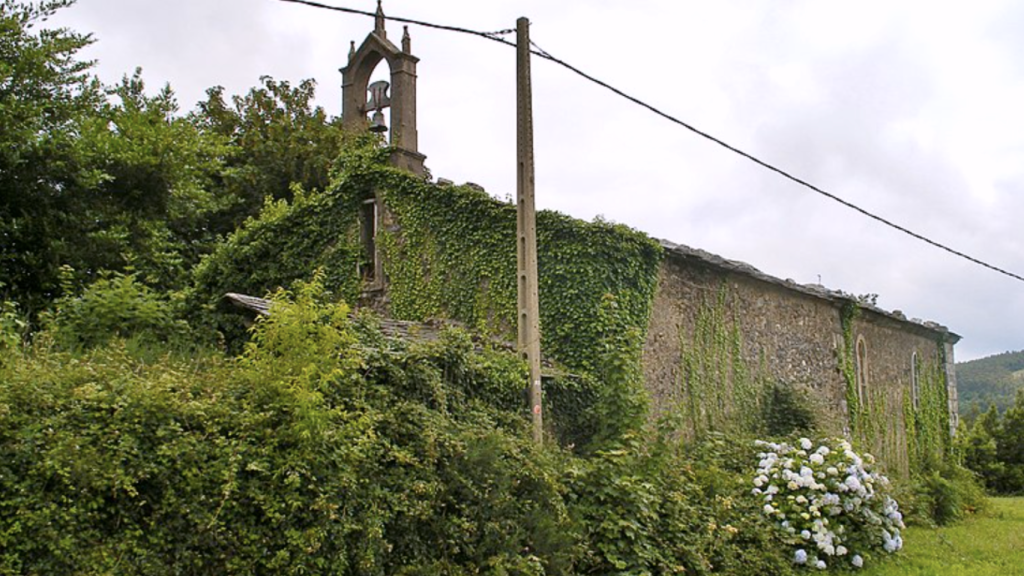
526 229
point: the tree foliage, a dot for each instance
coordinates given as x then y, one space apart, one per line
95 179
994 448
45 96
278 139
115 179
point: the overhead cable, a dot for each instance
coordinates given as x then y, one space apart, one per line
536 50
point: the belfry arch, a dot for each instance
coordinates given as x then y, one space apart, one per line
402 100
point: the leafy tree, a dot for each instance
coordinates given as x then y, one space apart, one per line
979 449
45 95
1010 445
279 139
147 208
98 180
994 448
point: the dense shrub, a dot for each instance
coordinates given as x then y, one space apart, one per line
327 448
947 495
993 448
788 411
12 328
117 306
312 453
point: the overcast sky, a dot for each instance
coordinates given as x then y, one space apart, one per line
912 110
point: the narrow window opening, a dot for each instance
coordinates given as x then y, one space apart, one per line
862 369
915 379
368 222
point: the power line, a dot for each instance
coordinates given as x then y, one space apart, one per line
538 51
777 170
495 36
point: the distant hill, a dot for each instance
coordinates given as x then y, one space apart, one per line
991 380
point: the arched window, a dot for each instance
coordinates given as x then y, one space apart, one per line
862 369
915 379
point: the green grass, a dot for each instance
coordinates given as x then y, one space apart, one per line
989 544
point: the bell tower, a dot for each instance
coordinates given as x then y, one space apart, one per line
356 103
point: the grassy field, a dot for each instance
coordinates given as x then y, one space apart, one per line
989 544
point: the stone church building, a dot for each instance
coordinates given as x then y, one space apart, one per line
719 331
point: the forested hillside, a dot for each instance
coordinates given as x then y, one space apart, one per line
990 381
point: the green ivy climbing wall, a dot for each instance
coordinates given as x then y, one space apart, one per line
453 255
287 242
718 390
923 443
450 252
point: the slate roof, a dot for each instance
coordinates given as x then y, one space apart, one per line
401 329
835 297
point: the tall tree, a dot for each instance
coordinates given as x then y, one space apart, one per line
280 139
96 180
979 447
45 94
147 209
1010 445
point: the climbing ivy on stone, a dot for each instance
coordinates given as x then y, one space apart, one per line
719 391
448 252
927 426
872 419
847 365
285 243
453 254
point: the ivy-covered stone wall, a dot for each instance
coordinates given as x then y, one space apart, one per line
714 344
905 424
705 318
450 252
723 341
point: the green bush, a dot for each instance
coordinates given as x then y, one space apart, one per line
649 505
320 450
328 448
788 411
720 464
944 496
117 306
12 328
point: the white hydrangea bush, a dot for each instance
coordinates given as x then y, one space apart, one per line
828 503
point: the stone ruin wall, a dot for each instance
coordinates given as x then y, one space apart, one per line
889 382
781 333
786 335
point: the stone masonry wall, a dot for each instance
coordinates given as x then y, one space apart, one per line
889 384
764 332
783 337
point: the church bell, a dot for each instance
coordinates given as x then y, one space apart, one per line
377 123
